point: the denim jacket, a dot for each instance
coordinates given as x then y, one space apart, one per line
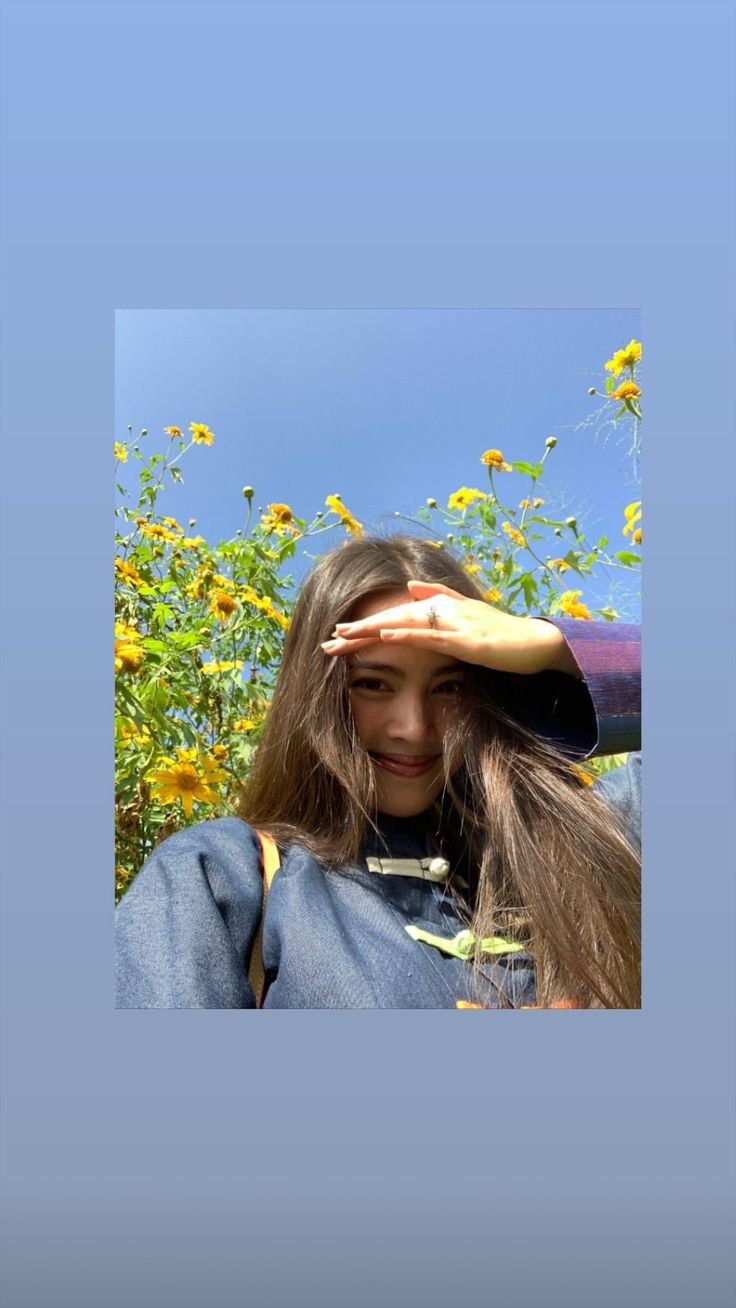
339 939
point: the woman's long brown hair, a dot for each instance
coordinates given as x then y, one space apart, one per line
545 858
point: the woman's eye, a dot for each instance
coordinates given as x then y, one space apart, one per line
368 683
449 688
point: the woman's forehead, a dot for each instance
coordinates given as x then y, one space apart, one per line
387 599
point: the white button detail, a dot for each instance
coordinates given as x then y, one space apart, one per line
439 866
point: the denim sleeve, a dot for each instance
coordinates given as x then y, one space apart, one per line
185 929
620 789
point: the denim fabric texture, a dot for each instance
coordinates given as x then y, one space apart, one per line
338 939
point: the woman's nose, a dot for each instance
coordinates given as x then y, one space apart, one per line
412 719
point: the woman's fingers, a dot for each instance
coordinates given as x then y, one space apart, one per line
341 645
404 615
423 589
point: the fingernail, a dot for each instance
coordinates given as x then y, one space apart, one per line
328 644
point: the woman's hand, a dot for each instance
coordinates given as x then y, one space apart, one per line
447 622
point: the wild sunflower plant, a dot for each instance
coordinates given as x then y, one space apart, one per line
199 628
199 631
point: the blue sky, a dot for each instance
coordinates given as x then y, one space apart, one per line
386 407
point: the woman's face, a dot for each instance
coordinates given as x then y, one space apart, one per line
403 701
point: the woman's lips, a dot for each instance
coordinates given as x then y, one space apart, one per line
405 765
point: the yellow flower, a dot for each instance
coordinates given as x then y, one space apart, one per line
128 656
515 535
628 390
126 632
156 531
582 774
493 596
525 504
632 514
279 519
494 459
219 751
192 542
626 358
559 564
265 604
173 524
537 503
570 605
222 604
186 778
201 434
173 432
245 724
121 452
335 503
130 731
472 567
198 587
224 665
129 573
636 536
465 496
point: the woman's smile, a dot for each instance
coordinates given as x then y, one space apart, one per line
405 765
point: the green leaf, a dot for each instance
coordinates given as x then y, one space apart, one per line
627 557
609 614
619 413
161 614
610 384
533 470
529 586
176 474
602 542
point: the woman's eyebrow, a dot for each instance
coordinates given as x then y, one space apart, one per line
399 672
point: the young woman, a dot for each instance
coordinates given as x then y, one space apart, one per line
437 847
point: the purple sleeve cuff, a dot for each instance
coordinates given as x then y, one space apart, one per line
609 657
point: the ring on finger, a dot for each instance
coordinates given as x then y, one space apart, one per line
432 616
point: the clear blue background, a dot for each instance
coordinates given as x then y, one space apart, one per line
386 154
388 407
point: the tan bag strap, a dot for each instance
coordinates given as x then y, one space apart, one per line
270 864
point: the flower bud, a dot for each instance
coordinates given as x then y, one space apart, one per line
571 522
192 522
144 431
450 536
319 515
248 492
558 531
130 428
550 442
592 390
431 503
